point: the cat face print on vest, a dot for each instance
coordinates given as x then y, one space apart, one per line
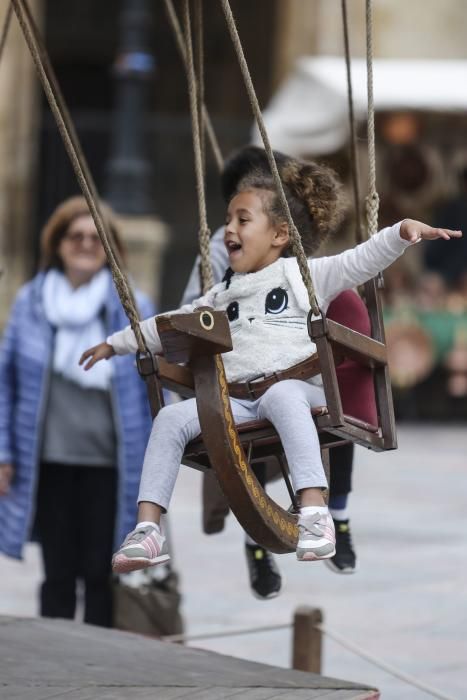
267 324
253 242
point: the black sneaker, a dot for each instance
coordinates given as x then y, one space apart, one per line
344 560
265 579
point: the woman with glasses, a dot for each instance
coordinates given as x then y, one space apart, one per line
70 441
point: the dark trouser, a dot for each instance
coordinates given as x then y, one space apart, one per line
76 509
341 462
340 482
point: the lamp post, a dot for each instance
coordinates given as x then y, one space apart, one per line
130 171
130 184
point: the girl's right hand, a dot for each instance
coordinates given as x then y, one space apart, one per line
103 351
6 477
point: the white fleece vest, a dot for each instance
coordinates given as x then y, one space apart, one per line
267 323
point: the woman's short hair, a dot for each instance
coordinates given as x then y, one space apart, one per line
59 222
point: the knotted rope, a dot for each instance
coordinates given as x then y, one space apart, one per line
294 234
372 198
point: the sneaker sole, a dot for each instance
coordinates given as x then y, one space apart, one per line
270 596
311 556
348 570
123 565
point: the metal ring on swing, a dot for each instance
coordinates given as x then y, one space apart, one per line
206 320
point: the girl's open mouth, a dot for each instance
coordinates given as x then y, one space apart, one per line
232 246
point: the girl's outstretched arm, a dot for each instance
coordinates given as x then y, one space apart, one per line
414 231
124 342
355 266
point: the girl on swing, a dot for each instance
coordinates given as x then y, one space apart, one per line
267 306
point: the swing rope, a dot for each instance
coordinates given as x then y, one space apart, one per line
353 130
78 161
204 232
199 47
372 198
294 234
180 42
5 29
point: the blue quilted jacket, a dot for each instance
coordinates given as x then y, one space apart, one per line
25 361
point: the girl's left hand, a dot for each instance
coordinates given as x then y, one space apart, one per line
103 351
415 231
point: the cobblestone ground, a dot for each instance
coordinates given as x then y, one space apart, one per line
407 605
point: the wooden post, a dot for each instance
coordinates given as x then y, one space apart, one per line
306 651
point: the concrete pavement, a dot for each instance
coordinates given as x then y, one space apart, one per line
406 605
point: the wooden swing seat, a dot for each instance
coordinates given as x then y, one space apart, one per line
360 413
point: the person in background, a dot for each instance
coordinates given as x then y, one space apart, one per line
264 575
71 443
452 265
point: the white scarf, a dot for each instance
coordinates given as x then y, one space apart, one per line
75 313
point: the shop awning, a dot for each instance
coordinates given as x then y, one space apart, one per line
308 114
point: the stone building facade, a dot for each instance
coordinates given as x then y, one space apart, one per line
82 38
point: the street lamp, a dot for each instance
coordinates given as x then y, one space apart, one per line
130 184
130 170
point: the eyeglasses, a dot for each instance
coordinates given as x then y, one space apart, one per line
78 238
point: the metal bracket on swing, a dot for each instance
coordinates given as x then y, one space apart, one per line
146 364
316 326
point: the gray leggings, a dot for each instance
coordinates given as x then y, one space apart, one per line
286 404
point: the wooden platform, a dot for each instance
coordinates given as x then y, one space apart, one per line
43 659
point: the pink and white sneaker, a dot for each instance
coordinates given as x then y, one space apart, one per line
317 537
143 547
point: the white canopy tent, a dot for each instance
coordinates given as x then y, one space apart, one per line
309 112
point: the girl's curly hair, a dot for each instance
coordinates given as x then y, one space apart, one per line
314 196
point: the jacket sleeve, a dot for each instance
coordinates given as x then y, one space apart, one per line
332 275
8 348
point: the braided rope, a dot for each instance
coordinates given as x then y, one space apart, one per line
352 125
294 234
372 198
204 234
78 162
180 42
5 29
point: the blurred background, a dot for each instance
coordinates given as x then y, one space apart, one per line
123 80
